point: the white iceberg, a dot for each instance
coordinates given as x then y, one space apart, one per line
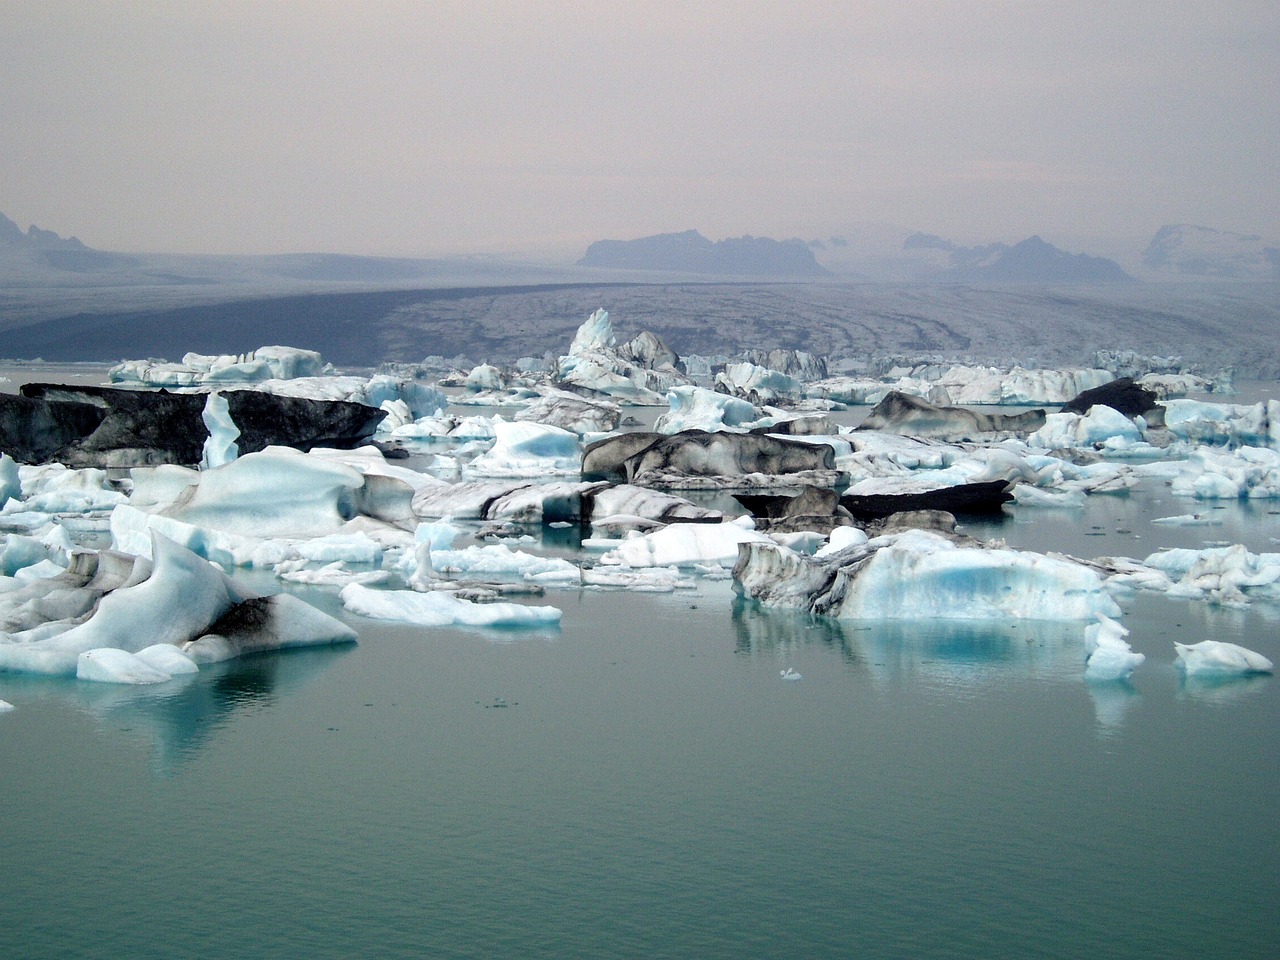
442 610
1217 658
696 408
221 446
1109 655
523 449
684 544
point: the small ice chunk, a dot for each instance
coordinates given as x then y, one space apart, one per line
5 706
1110 656
790 674
1216 657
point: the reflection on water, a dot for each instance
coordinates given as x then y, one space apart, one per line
1223 690
1111 703
972 652
182 716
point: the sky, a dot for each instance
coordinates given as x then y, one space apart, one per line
433 127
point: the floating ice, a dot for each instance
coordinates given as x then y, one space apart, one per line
842 537
167 657
221 445
695 408
921 575
641 580
960 384
1109 656
249 511
528 450
442 610
1228 575
499 560
10 483
5 706
1223 423
262 364
684 544
568 411
1215 657
595 364
759 384
790 674
1227 475
1100 426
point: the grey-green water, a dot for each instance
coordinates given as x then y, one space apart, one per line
641 783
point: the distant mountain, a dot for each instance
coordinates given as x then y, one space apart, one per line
691 252
1030 261
45 249
11 235
1190 251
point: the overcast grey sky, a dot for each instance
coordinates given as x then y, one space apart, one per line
424 127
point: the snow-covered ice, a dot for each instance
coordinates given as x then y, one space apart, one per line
442 610
684 544
1217 658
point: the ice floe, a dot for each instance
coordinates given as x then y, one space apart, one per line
440 609
1218 658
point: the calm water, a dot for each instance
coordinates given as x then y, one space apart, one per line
652 788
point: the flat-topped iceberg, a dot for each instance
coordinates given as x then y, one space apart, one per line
684 544
265 363
442 610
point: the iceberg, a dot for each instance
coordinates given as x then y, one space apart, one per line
595 366
1109 656
171 599
1217 658
684 544
442 610
221 446
523 449
758 384
1208 474
571 412
923 575
10 482
696 408
262 364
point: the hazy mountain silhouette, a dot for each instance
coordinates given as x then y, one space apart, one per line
1030 261
691 252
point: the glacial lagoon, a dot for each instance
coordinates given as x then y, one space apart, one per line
641 781
650 779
